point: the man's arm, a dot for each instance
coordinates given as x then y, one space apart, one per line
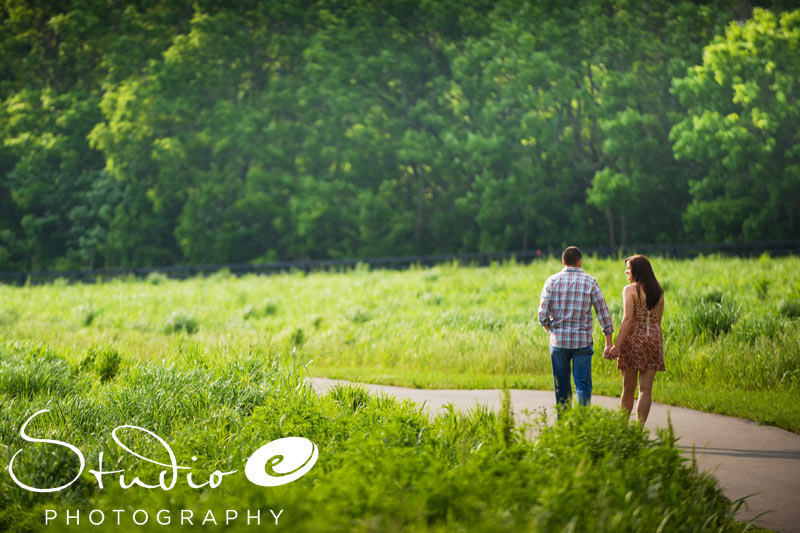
603 316
544 306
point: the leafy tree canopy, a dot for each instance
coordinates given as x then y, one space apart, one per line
150 133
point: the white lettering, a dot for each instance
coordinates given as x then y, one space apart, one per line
287 459
159 519
72 448
173 464
276 463
191 482
209 518
98 474
102 517
163 517
146 517
214 480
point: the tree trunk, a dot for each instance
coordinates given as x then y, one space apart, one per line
610 217
420 205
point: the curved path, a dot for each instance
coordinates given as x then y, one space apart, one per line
760 462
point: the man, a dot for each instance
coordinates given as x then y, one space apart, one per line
565 311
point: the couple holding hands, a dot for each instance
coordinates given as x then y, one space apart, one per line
565 311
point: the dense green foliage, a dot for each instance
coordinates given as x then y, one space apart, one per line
732 333
154 132
383 465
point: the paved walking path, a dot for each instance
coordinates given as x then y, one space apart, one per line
761 462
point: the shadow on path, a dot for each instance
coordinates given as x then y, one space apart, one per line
731 452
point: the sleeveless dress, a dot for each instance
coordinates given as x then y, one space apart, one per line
643 347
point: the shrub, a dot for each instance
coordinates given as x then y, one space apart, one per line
27 373
431 277
430 298
713 296
761 286
298 337
249 312
104 361
156 278
789 307
87 314
751 328
712 317
359 315
107 364
221 274
181 320
349 397
270 308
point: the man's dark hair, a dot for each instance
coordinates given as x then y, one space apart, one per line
571 256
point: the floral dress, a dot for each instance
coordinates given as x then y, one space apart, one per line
643 347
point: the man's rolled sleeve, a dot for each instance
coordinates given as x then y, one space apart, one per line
603 316
544 306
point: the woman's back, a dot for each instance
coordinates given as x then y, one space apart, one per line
641 312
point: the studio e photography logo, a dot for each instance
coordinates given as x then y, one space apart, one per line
276 463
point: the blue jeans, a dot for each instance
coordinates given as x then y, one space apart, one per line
581 359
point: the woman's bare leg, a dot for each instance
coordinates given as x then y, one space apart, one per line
645 391
628 389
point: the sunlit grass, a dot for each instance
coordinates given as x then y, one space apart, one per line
383 464
216 367
730 326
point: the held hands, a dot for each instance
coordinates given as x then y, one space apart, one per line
610 352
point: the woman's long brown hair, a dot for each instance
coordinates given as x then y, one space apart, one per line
642 274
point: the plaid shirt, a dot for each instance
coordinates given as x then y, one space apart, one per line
566 308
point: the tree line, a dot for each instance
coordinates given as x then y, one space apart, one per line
148 132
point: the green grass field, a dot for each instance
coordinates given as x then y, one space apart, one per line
732 326
216 367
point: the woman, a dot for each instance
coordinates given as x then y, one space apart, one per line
639 348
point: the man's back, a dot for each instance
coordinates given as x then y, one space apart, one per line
565 308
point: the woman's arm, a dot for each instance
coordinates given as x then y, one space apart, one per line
627 318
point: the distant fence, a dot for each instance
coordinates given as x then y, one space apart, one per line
739 249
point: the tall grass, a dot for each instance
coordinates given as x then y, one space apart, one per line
728 323
383 464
